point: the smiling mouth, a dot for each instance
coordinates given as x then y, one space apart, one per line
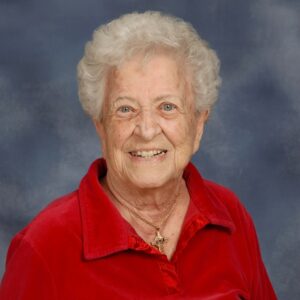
148 153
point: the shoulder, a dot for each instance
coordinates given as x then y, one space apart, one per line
233 205
57 221
39 251
222 193
217 200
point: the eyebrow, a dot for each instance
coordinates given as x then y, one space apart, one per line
168 97
156 99
120 98
124 98
159 98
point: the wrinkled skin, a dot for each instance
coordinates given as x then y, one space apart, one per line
150 128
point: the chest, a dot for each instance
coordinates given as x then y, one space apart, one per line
211 265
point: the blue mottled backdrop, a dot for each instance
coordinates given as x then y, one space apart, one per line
251 144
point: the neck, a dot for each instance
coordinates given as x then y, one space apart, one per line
160 211
144 199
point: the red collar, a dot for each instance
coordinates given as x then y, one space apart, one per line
106 232
208 203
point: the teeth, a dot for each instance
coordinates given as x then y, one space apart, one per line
147 154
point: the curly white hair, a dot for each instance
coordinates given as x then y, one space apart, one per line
137 33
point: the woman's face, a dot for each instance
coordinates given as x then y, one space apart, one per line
149 128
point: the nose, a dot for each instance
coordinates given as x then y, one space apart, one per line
147 126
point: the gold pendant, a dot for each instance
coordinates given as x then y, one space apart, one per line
159 241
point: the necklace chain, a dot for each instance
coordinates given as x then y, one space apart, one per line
159 240
156 227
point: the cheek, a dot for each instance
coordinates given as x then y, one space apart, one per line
181 133
118 134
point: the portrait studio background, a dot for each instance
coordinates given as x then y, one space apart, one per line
251 143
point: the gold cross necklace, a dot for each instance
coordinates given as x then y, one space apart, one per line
159 240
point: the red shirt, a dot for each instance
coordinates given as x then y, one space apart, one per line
80 247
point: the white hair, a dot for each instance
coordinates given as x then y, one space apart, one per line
134 33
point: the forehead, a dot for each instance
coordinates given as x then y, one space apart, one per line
155 74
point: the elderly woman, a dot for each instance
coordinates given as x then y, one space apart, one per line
143 223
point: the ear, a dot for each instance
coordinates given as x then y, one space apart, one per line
201 119
99 126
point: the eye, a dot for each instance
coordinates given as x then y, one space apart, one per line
168 107
125 111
